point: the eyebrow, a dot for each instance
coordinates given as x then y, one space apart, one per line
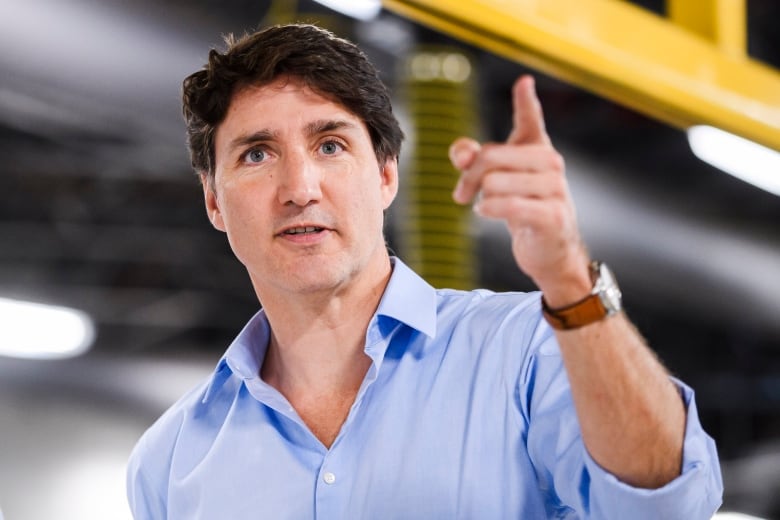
246 139
311 129
327 125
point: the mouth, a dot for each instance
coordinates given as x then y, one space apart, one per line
303 230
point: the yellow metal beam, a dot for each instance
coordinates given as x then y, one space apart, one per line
723 22
621 52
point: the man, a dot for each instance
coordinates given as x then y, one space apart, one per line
358 391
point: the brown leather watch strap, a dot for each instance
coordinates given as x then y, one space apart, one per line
584 312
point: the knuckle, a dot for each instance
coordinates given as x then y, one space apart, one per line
518 210
491 184
557 162
558 216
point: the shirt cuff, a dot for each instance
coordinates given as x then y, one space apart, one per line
695 494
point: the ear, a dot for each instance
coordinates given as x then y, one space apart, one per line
212 204
389 181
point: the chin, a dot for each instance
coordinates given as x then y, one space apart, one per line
309 274
316 284
316 274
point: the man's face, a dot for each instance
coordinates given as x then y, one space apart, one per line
298 190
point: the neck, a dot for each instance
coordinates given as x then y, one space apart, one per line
318 340
316 356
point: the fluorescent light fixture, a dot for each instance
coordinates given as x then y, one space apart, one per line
744 159
361 9
38 331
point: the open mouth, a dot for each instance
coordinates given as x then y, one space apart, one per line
302 230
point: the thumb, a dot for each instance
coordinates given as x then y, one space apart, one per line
463 152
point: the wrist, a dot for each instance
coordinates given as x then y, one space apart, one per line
568 288
604 299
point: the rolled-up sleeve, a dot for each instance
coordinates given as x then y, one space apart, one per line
695 494
575 486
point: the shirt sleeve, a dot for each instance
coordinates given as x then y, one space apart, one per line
573 483
695 494
144 496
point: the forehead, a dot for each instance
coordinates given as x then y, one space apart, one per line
283 102
284 111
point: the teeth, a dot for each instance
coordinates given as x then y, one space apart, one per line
301 230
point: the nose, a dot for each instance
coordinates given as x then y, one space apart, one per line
300 181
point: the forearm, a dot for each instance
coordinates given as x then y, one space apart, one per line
631 415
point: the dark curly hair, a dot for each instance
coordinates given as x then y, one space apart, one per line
333 67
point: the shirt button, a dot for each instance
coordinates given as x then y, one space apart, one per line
329 478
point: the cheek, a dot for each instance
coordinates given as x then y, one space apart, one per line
362 206
241 208
372 208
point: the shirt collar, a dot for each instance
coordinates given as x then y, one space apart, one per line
245 354
407 299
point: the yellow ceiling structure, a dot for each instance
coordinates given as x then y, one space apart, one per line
688 69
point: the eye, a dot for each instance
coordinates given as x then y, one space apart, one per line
255 155
331 147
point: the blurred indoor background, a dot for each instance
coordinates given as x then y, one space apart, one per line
100 212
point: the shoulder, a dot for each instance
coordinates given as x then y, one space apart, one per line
148 468
488 308
155 450
507 326
158 440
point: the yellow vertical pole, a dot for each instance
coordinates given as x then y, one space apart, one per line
723 22
281 11
435 234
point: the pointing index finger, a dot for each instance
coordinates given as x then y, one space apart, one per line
527 118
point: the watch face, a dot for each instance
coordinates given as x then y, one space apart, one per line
608 290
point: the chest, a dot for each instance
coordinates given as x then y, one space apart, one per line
324 415
410 452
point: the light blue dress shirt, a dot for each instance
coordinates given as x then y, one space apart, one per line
465 413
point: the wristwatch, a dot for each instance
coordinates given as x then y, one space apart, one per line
605 299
